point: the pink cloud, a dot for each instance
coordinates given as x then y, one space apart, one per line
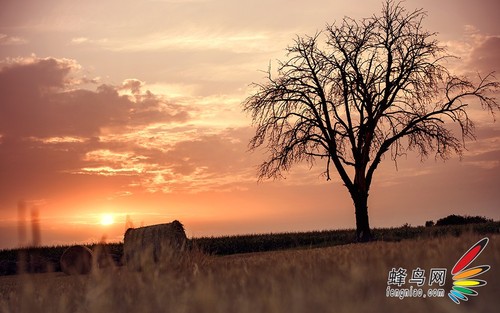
48 125
59 138
38 100
476 52
6 40
485 57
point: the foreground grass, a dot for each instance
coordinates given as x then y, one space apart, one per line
347 278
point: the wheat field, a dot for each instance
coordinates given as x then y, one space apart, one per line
348 278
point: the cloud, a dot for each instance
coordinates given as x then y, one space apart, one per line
6 40
50 128
115 139
485 57
79 40
195 40
477 52
134 85
86 40
191 161
38 99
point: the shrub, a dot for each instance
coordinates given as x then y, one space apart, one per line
462 220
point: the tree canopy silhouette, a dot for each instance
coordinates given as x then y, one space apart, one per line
358 90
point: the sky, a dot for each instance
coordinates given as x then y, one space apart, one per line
118 113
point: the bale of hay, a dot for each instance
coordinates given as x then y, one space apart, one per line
153 244
76 260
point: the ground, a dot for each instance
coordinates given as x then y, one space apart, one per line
347 278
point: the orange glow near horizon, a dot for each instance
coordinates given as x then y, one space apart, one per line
158 134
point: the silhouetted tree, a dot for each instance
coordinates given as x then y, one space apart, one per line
357 90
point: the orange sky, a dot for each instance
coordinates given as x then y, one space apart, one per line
133 108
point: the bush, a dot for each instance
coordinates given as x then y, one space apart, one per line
462 220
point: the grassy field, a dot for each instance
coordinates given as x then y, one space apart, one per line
43 259
344 278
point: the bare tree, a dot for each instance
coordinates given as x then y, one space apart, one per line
357 90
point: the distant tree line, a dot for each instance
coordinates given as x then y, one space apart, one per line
458 220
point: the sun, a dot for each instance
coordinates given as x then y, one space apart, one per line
107 219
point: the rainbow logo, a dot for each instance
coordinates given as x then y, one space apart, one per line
462 277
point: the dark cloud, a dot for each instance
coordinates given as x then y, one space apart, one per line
37 100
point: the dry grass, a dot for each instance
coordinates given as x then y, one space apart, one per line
349 278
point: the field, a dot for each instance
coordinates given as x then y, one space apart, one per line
343 278
43 259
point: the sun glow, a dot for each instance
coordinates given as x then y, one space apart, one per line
107 219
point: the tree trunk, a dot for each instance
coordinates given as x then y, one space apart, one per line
363 233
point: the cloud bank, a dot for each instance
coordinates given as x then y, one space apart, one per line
54 130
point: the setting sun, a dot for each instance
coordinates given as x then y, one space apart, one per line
107 219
